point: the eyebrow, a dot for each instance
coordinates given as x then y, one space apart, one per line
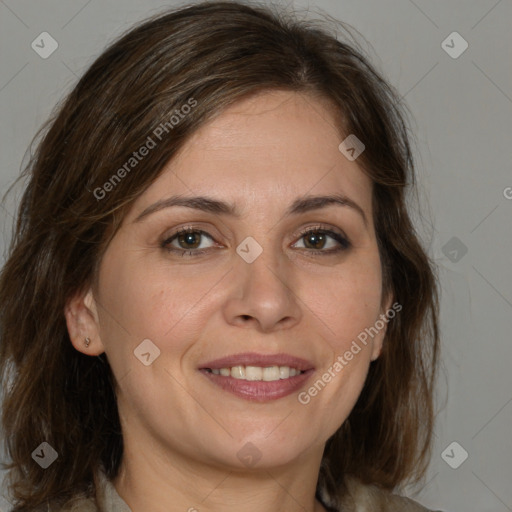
210 205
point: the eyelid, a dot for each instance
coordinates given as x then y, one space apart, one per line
206 231
324 228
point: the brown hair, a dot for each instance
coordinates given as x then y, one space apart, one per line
216 53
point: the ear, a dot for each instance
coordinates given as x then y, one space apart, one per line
83 322
378 340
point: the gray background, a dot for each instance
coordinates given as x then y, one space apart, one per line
462 115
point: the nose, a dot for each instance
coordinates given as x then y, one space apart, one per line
263 296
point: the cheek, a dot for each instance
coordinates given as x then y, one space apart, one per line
348 301
346 305
141 300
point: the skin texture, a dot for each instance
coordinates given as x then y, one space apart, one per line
182 433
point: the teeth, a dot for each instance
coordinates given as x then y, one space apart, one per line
271 373
238 372
257 373
253 373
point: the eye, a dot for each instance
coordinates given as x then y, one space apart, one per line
316 239
188 240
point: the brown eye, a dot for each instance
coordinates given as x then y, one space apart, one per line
186 241
191 240
315 240
318 239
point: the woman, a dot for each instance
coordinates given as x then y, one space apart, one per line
214 297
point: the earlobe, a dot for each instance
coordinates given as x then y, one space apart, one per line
377 349
378 342
386 304
83 323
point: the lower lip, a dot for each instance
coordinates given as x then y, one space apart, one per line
259 391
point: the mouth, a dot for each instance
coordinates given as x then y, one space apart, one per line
257 377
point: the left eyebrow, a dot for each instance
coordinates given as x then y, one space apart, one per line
211 205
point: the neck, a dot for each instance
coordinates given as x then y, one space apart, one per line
152 480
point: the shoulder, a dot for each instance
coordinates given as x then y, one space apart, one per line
80 505
370 498
101 497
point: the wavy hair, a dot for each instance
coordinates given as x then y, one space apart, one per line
217 53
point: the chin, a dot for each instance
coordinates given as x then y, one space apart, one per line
261 451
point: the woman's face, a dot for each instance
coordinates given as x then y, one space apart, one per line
249 286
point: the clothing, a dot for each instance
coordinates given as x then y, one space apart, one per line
370 498
364 498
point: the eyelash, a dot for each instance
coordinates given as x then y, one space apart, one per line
344 242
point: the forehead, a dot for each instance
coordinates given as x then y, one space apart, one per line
267 149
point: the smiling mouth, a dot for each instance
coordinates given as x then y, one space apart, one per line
256 383
256 373
258 377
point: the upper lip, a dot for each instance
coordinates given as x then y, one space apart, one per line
254 359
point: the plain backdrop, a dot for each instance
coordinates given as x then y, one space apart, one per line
461 105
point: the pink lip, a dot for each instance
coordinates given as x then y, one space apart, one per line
259 391
254 359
